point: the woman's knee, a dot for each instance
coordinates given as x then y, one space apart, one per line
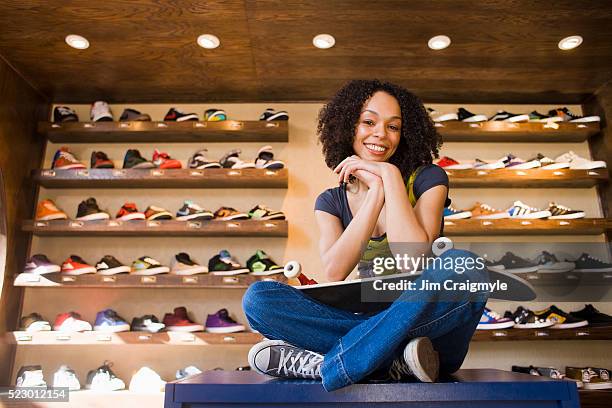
257 296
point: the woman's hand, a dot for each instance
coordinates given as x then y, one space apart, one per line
352 164
371 180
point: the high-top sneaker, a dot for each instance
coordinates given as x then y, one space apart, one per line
63 114
201 161
419 360
265 159
277 358
164 161
100 112
99 160
230 160
133 160
89 211
64 160
180 321
221 322
47 211
128 212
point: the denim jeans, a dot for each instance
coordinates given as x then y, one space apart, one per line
357 345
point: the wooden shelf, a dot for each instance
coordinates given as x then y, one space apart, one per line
595 398
467 227
156 178
125 280
532 178
516 132
582 333
173 228
228 131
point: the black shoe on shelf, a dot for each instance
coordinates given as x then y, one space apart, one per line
593 316
133 160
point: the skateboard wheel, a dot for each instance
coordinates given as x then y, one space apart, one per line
441 245
292 269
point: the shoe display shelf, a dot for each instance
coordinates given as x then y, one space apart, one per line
495 132
595 398
581 333
532 178
166 132
504 226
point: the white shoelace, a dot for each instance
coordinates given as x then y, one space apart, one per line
308 363
399 369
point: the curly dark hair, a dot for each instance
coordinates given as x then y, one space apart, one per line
338 119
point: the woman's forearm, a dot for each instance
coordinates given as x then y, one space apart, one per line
340 259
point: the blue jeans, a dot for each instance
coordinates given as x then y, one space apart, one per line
357 345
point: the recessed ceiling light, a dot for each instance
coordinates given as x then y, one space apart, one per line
208 41
439 42
570 42
323 41
77 41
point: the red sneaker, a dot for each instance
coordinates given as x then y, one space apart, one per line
129 212
164 161
180 322
75 265
99 160
452 164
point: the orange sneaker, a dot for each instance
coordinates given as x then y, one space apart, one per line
484 211
129 212
64 160
164 161
47 210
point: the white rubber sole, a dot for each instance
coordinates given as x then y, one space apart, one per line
532 216
496 216
476 118
112 329
588 166
594 270
132 216
234 329
459 216
199 217
188 117
52 217
517 118
526 269
240 216
71 167
422 359
586 119
38 327
525 166
230 273
81 271
570 325
185 329
446 117
151 271
491 166
567 216
598 386
41 270
268 273
495 326
533 325
277 115
166 216
114 271
207 166
190 271
94 217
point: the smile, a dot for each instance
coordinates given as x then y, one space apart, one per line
375 148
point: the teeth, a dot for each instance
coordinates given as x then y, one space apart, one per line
376 148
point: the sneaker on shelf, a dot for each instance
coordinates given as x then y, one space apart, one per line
526 319
71 322
215 115
590 378
543 160
574 162
201 161
224 264
176 115
157 213
187 371
145 265
132 115
588 263
164 161
182 264
63 114
451 213
497 164
466 116
89 211
540 118
133 160
229 213
593 316
191 211
568 116
109 321
65 160
75 265
486 212
48 211
99 160
146 380
419 360
39 264
270 115
100 112
513 264
276 358
104 379
65 377
551 372
516 163
261 212
441 117
265 159
491 320
522 211
560 319
509 117
30 376
548 263
34 322
230 160
179 321
147 323
260 264
129 212
561 212
109 265
451 164
221 322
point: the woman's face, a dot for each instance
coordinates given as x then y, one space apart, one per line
379 128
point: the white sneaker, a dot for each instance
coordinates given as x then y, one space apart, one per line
573 161
66 377
71 322
265 159
522 211
419 360
277 358
30 376
442 117
100 112
146 380
103 379
187 371
498 164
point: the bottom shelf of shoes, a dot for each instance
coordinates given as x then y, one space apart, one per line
100 399
595 398
581 333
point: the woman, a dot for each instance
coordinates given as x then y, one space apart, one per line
380 141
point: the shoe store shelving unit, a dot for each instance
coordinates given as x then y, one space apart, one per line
532 178
504 226
495 132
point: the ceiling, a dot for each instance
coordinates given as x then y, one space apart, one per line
145 50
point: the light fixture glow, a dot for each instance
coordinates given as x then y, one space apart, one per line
77 41
323 41
570 42
439 42
208 41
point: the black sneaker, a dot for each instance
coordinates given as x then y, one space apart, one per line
201 161
568 116
270 115
89 211
132 115
548 263
526 319
109 265
560 319
540 118
561 212
466 116
175 115
513 264
593 316
419 359
261 264
224 264
133 160
539 371
265 159
276 358
63 114
587 263
509 117
99 160
148 323
190 211
230 160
